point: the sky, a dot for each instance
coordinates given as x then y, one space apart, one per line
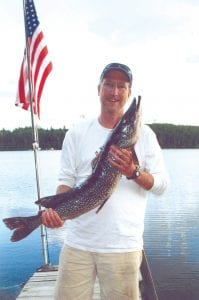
157 39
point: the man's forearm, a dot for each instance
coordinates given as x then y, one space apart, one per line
145 180
62 188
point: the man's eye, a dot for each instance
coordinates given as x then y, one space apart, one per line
121 86
109 84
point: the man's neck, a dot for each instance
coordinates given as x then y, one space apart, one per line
108 121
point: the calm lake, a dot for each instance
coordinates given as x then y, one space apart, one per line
171 225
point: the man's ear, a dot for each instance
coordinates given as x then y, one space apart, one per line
98 88
129 92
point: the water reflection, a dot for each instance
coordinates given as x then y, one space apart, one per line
171 229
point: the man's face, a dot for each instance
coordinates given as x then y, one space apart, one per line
114 91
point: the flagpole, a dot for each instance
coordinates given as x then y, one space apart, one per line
35 146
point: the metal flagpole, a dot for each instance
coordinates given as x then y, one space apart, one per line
35 145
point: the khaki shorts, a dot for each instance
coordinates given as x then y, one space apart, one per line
118 275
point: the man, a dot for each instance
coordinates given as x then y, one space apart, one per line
108 244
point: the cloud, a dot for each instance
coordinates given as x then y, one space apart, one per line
5 94
134 30
130 22
194 59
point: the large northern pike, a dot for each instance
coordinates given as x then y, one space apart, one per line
95 191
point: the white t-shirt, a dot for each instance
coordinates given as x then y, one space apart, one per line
119 225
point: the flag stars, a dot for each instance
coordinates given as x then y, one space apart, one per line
31 18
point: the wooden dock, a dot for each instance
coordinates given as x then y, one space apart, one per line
41 285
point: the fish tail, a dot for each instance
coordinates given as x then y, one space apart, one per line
23 226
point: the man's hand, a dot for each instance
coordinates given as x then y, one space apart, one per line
51 219
122 159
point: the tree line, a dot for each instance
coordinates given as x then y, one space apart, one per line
23 138
176 136
168 135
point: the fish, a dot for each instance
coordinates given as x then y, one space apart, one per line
96 189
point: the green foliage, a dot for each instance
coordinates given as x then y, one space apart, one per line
169 136
22 139
176 136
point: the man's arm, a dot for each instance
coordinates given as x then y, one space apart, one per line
62 189
49 217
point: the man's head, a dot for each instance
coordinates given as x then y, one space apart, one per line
117 67
114 88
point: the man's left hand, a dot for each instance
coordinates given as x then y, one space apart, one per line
122 159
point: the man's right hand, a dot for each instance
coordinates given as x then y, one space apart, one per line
51 219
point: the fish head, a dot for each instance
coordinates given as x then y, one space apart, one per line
127 130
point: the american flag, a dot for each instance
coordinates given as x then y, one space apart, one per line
36 66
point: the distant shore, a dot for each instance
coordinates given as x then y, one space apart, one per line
169 136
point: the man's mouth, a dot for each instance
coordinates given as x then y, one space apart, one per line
113 100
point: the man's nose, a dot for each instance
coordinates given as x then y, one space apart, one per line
115 90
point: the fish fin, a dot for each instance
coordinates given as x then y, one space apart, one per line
94 163
45 201
96 159
52 201
23 226
101 205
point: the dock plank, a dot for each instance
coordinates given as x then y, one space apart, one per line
41 287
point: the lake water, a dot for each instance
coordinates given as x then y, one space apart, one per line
171 226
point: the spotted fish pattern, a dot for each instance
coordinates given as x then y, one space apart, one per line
96 190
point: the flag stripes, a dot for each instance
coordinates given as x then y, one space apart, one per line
36 65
